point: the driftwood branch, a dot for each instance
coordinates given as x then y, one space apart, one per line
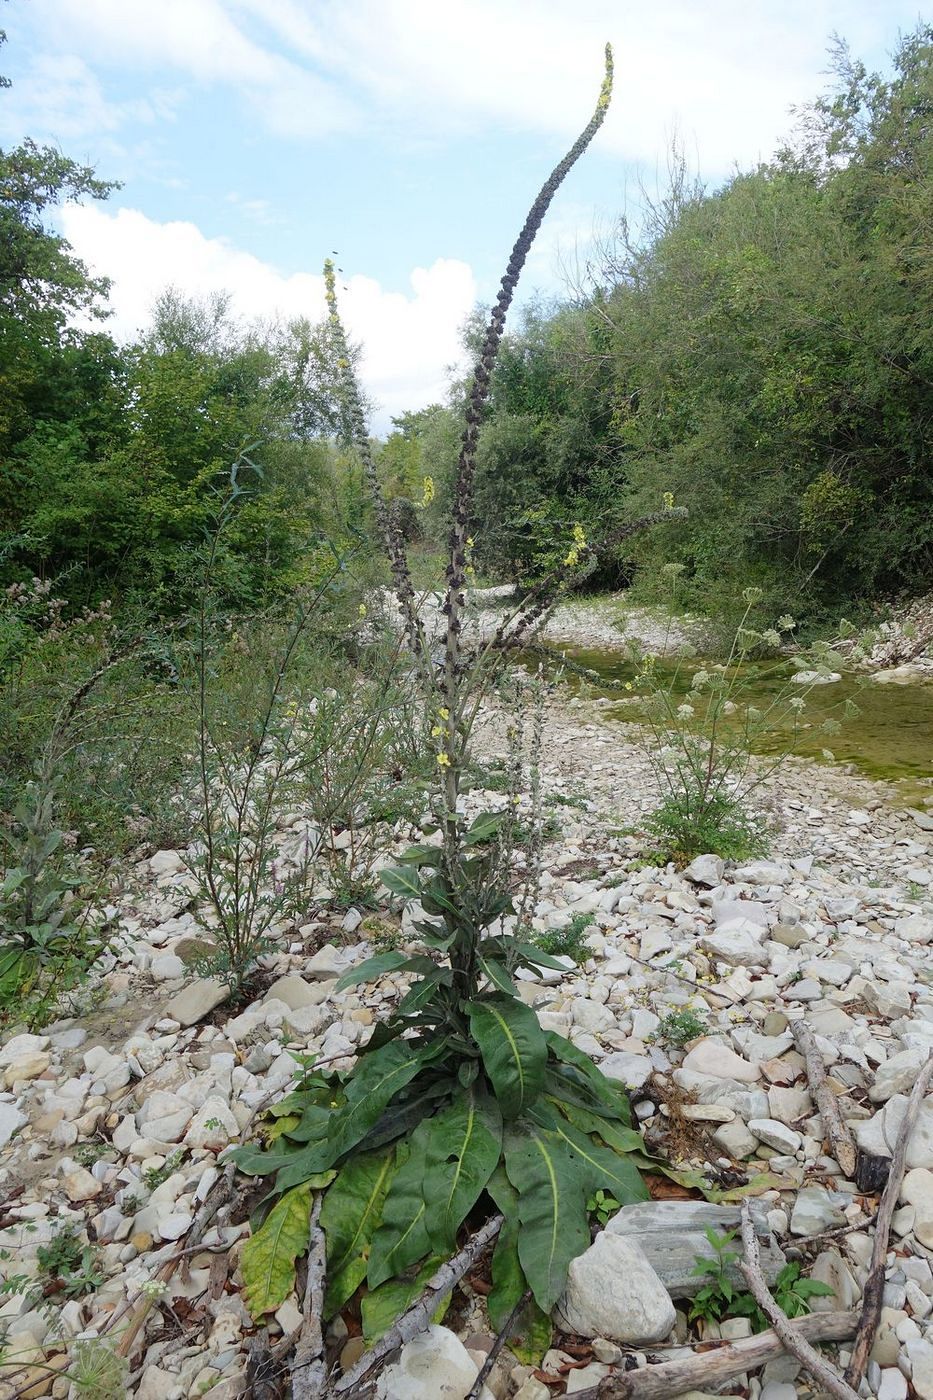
476 1388
843 1146
707 1370
419 1315
789 1334
308 1367
873 1293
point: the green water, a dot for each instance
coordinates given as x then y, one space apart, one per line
891 736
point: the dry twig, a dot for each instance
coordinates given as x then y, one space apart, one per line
710 1369
477 1387
308 1368
840 1138
788 1332
419 1315
873 1292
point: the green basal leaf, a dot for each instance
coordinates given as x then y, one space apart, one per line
268 1259
377 1078
513 1048
484 827
463 1147
602 1165
530 1334
613 1134
350 1215
371 969
402 882
382 1306
422 992
498 975
402 1238
551 1186
602 1095
533 956
422 855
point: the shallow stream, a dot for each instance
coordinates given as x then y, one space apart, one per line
891 736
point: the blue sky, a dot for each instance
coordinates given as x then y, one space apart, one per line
253 137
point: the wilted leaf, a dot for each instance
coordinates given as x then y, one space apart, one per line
268 1259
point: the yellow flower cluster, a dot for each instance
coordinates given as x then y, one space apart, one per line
427 492
579 543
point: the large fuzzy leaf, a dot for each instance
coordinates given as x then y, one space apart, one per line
371 969
463 1147
614 1135
551 1186
587 1085
383 1305
402 1239
268 1260
403 882
530 1333
377 1079
350 1215
606 1170
513 1048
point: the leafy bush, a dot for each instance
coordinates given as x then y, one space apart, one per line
568 942
703 733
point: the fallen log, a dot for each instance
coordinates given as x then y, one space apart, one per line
840 1139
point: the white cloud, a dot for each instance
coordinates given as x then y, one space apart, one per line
199 38
408 339
723 72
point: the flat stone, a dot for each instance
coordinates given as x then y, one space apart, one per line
737 942
80 1185
629 1069
10 1121
917 1190
328 962
612 1291
915 928
762 872
816 1210
897 1075
295 992
707 870
920 1355
776 1135
877 1136
713 1057
735 1140
168 967
726 911
196 1001
672 1236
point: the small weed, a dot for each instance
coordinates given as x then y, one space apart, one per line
719 1299
385 936
915 891
87 1153
690 828
155 1176
680 1027
603 1206
67 1259
566 799
567 942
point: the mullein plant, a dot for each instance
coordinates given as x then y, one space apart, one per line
460 1104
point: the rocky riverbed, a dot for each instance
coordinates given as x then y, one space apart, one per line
115 1123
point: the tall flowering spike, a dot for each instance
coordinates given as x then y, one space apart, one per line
388 528
479 392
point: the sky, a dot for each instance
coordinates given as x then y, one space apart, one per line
254 138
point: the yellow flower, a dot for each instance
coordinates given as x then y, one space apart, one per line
362 610
444 714
470 542
436 731
668 499
427 491
443 760
628 685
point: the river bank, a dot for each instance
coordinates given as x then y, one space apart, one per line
115 1122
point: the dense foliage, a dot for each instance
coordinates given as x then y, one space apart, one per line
764 352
